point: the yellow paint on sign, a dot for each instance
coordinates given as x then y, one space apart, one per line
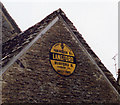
62 59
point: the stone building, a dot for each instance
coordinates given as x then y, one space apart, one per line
52 63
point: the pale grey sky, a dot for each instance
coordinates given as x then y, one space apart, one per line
97 21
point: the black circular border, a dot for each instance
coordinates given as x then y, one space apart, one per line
52 65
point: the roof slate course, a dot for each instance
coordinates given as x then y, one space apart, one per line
15 45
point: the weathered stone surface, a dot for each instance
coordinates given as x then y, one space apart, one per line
37 82
9 26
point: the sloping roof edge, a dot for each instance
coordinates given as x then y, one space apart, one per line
100 65
14 58
13 46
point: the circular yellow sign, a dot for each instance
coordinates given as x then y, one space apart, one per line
62 59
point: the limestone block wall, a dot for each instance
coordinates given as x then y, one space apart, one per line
32 78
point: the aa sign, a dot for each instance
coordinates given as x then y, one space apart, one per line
62 59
